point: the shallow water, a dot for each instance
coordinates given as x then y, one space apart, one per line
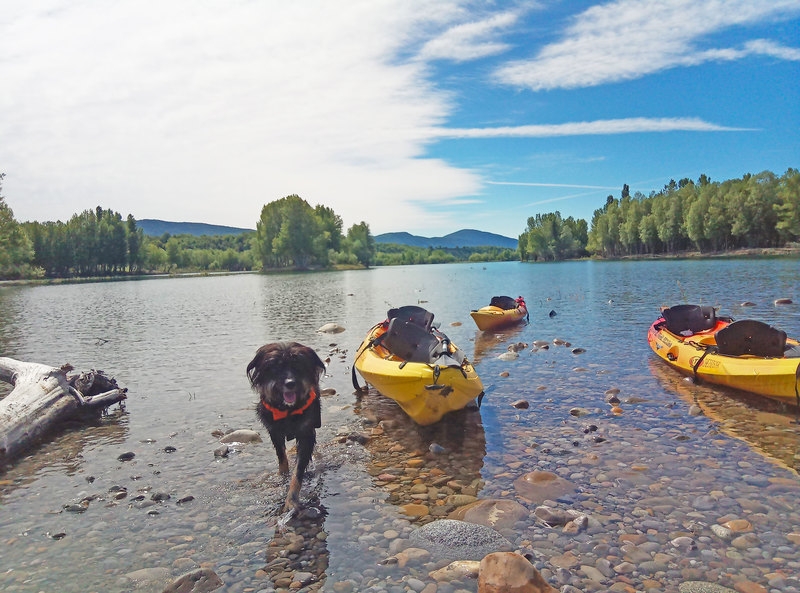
180 346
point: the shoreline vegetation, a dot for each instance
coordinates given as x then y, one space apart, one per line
755 216
743 252
792 251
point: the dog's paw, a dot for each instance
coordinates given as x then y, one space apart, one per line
292 506
311 513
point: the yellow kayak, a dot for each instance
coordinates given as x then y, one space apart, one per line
747 354
417 366
502 311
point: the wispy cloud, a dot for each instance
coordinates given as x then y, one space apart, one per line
558 185
769 48
558 199
604 126
469 41
628 39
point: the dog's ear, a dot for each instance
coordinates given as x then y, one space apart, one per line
309 358
259 368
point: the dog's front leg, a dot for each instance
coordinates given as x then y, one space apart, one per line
279 442
305 449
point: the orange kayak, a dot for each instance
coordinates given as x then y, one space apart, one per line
503 311
747 354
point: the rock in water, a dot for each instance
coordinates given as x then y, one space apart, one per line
459 540
538 486
243 435
495 513
202 580
508 572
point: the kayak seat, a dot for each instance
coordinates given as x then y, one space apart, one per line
749 336
411 342
503 302
689 318
414 314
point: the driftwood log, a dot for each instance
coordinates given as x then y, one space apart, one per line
45 397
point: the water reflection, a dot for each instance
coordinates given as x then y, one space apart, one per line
424 469
769 426
486 342
297 555
63 453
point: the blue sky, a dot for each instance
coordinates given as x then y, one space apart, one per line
411 115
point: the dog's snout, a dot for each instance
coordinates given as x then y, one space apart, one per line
290 383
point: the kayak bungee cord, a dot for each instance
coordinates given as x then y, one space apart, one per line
797 393
371 343
695 366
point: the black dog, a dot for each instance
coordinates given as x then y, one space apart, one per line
286 377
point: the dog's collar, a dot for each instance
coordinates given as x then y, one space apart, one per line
278 414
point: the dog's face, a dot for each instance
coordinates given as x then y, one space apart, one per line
284 374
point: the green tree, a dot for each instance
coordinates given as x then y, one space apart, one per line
632 211
362 243
16 250
135 238
112 241
156 257
285 233
331 226
614 215
695 221
598 235
788 206
82 233
291 233
648 232
295 243
549 237
229 260
522 247
201 259
174 252
717 221
752 203
53 252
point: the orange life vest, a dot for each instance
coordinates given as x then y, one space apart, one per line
281 414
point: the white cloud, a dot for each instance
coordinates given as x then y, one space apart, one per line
471 40
628 39
198 111
188 110
768 48
606 126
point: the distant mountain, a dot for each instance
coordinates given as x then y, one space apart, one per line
462 238
156 228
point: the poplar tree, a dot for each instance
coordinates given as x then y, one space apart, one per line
16 250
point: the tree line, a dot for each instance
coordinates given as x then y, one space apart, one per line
100 242
760 210
756 211
393 254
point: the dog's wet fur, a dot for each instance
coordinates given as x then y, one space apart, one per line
286 376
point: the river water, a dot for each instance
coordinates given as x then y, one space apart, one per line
678 459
